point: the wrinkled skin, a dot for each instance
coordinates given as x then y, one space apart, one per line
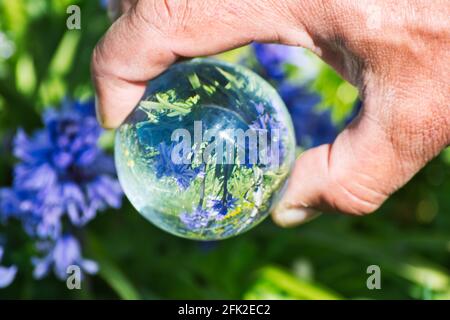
396 52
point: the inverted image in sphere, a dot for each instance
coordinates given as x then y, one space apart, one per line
207 151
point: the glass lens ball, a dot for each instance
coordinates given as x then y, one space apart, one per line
207 151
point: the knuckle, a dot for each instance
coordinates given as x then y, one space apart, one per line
419 126
354 197
164 16
140 18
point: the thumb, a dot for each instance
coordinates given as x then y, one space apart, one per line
151 35
372 158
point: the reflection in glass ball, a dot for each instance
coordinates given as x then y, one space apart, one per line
207 151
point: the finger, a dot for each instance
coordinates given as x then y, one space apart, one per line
151 35
292 217
372 158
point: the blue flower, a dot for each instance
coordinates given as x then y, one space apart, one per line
165 167
7 274
62 172
198 219
312 127
66 251
277 61
272 58
217 209
264 121
104 3
222 206
268 124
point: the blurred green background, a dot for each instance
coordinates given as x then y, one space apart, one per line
42 62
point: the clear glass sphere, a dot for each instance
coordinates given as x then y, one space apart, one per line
207 151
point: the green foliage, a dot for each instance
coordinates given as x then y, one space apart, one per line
276 283
168 102
337 94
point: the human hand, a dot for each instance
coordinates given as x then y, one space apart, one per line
396 52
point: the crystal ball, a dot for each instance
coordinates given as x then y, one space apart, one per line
207 151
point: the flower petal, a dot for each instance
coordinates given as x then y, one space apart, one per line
7 275
89 266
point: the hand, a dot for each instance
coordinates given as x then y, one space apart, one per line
396 52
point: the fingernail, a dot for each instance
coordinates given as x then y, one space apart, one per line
291 217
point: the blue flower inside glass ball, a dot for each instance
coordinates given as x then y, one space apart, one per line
207 151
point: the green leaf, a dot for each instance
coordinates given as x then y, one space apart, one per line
106 140
25 75
194 80
110 272
426 274
417 271
337 95
14 15
236 54
117 281
294 287
446 155
64 56
238 83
